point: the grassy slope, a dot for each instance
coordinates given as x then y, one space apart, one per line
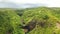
49 15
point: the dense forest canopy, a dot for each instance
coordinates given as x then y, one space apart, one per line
40 20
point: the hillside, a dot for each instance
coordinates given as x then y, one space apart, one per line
40 20
46 19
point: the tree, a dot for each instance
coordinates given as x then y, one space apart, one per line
9 22
45 21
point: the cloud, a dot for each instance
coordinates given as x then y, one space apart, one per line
50 3
14 5
53 3
8 5
26 1
20 3
29 3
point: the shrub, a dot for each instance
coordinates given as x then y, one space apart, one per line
9 22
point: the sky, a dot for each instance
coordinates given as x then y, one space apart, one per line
28 3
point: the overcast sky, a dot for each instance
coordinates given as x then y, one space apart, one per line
49 3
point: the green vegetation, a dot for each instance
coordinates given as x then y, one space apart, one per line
46 21
41 20
9 22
